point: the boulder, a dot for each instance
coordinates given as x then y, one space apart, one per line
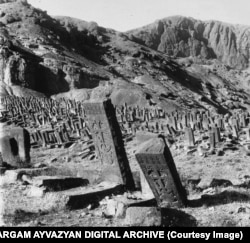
143 216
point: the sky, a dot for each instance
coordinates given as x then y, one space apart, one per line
123 15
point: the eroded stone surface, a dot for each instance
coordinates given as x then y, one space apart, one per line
159 169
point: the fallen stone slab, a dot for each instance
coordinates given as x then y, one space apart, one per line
220 182
226 196
194 181
81 197
36 199
128 138
213 182
204 183
117 206
190 151
35 191
34 171
143 203
12 176
58 183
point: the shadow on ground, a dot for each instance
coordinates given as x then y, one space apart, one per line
176 218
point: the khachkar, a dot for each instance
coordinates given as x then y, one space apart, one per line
158 166
107 138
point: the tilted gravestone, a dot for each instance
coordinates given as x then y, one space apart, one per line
108 142
158 166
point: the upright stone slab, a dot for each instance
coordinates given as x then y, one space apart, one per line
216 131
108 141
158 166
235 132
247 134
189 134
212 139
15 147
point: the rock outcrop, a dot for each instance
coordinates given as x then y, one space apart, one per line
45 54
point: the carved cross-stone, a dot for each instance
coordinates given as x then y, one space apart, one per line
108 142
158 166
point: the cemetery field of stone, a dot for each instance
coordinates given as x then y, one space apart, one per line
148 127
168 169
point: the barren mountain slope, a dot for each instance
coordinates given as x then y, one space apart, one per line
62 54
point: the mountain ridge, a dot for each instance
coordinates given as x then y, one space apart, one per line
180 36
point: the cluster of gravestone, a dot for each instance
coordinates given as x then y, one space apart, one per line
132 119
223 132
63 121
106 125
51 123
159 121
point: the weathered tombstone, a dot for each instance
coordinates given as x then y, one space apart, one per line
108 141
15 147
185 121
247 134
212 139
235 132
220 124
216 131
158 166
189 134
243 121
44 139
39 137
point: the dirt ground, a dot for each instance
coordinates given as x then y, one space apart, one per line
217 186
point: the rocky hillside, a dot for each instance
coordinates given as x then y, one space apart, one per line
173 63
183 37
37 51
